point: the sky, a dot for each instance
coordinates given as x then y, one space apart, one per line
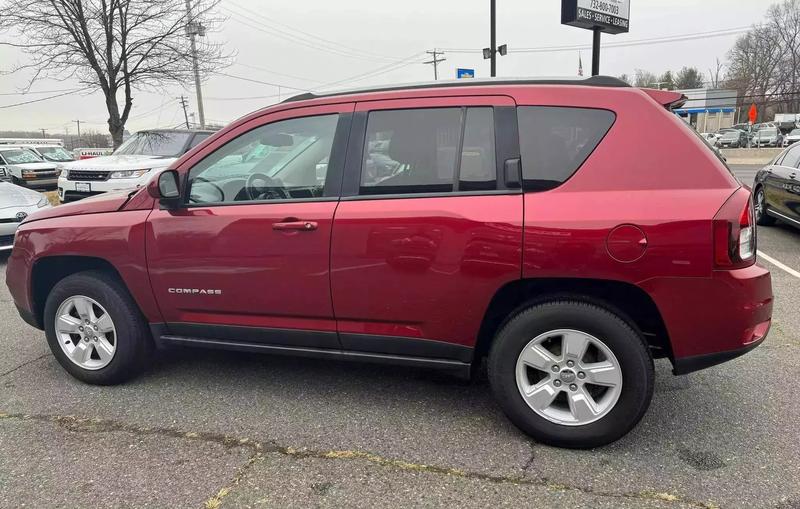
381 42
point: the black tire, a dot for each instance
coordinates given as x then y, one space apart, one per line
133 340
762 218
634 357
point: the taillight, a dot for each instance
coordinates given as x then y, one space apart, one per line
735 232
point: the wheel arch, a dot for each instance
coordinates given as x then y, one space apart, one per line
49 270
626 300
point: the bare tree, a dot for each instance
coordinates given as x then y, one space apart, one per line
644 79
715 75
116 46
764 64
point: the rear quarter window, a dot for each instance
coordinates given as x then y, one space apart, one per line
555 142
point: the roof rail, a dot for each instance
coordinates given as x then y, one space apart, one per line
595 81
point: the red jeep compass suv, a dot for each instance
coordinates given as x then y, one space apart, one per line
535 223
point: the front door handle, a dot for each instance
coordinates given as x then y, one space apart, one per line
305 226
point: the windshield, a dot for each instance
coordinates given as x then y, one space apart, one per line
795 132
154 143
767 132
20 156
57 154
730 135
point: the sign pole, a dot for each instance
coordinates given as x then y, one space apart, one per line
493 38
596 31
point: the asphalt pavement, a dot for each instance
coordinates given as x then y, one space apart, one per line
211 429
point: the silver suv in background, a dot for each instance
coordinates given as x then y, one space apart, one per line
767 137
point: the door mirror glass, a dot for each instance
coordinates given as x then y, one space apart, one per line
168 185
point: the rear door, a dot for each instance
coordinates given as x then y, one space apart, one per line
427 229
780 186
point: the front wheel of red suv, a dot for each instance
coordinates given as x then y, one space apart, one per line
571 374
94 328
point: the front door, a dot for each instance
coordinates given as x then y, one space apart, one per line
246 258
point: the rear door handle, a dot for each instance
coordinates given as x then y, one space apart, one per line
305 226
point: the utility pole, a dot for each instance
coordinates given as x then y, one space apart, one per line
79 130
43 135
193 29
185 115
435 61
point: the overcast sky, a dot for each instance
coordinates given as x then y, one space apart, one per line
378 41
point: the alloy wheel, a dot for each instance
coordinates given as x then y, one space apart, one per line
569 377
85 332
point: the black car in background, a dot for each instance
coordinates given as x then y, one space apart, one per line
777 189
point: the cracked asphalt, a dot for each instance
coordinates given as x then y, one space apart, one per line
220 429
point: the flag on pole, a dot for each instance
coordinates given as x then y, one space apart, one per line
580 65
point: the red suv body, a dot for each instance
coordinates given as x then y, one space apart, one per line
537 223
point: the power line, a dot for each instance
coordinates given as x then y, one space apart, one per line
312 37
42 99
255 67
284 35
376 72
39 92
260 82
637 42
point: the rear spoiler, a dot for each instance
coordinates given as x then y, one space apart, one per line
668 99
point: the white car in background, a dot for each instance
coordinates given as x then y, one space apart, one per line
130 166
16 203
712 138
792 137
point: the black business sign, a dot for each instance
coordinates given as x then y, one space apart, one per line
610 16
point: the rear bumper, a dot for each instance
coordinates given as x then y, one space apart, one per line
686 365
715 319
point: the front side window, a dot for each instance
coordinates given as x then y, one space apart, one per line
555 141
20 156
283 160
421 151
154 143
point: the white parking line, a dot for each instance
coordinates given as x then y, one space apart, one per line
778 264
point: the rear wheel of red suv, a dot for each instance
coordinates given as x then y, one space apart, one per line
95 329
571 374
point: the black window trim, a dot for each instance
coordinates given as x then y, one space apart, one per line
333 176
508 150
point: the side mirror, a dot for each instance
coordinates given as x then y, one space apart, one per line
166 189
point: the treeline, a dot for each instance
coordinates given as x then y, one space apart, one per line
763 66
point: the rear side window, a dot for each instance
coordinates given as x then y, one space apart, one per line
555 141
432 150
